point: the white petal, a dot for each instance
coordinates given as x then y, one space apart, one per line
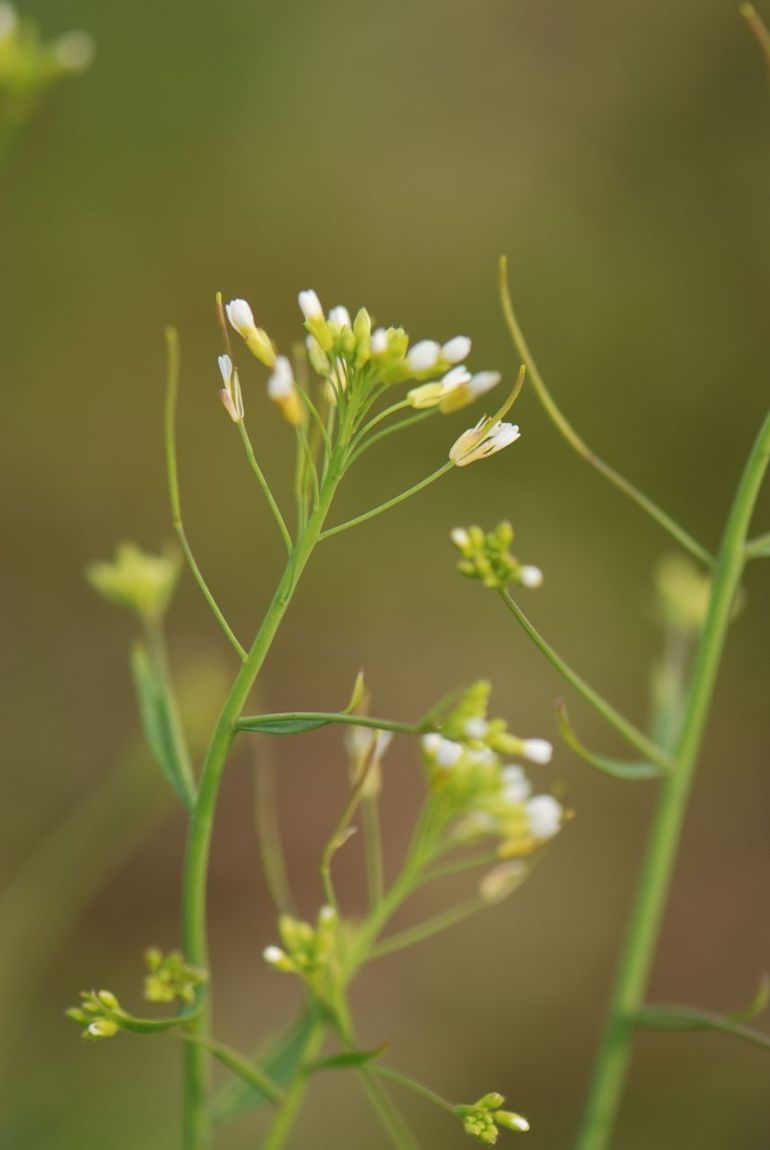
544 813
379 341
537 750
455 377
225 368
340 315
457 349
310 305
240 316
531 576
484 381
424 355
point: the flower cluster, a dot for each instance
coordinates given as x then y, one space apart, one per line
357 362
170 979
28 66
483 1120
482 794
487 556
99 1014
310 952
140 582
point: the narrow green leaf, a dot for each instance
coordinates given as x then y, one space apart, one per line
758 1004
617 768
156 722
281 725
348 1059
281 1062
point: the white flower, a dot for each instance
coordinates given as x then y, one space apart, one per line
340 316
531 576
273 955
431 394
281 383
545 814
8 21
455 377
485 439
230 394
74 51
457 349
516 786
537 750
241 317
459 537
445 752
483 381
379 341
476 728
327 915
423 356
310 305
225 368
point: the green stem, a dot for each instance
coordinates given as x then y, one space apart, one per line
560 422
197 1118
647 914
622 725
261 479
393 1124
758 547
172 389
410 1084
287 1115
445 467
424 930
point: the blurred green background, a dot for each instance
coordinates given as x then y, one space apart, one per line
384 154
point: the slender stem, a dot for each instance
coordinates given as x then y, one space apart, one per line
393 1124
758 547
287 1115
758 27
622 725
361 445
560 422
424 930
197 1118
261 479
647 914
172 389
410 1084
445 467
253 722
340 833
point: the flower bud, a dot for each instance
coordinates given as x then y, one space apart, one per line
530 576
545 816
457 349
423 356
537 750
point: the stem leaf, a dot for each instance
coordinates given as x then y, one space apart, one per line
349 1059
276 725
156 722
617 768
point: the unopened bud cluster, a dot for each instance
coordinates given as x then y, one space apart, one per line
28 66
141 582
484 1119
170 979
487 556
308 951
99 1014
483 794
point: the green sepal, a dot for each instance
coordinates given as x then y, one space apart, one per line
156 723
617 768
